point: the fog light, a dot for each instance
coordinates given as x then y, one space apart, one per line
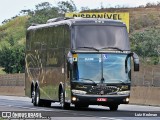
73 98
127 99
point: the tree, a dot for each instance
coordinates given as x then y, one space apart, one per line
66 6
41 14
45 11
12 59
146 44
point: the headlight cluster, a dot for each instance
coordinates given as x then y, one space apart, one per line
78 92
123 93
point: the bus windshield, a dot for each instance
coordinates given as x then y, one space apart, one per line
94 67
101 37
88 67
114 68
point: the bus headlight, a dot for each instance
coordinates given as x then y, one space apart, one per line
78 92
123 93
74 98
127 99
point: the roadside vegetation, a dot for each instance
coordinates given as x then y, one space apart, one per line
12 33
144 31
12 44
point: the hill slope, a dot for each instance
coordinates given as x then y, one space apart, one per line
13 32
140 18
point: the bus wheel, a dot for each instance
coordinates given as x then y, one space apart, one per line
64 105
33 97
113 107
37 100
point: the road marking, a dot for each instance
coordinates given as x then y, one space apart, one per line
39 109
110 118
64 111
15 99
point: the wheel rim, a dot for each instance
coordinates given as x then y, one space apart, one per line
61 100
37 98
33 96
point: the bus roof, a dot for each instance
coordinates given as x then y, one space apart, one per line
79 21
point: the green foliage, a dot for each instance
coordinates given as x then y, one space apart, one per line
12 32
154 60
2 71
146 44
12 39
65 6
42 14
12 59
45 11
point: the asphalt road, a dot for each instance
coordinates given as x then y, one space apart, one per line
23 106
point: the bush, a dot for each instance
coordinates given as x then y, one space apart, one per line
12 59
146 44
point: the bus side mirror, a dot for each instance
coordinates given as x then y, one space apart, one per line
136 61
69 68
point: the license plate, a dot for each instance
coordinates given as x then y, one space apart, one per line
101 99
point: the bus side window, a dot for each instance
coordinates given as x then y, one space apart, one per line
67 37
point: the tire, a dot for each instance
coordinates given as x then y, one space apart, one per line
64 105
33 97
113 107
37 101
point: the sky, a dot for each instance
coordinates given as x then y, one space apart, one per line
10 8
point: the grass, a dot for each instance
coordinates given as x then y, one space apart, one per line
1 71
15 29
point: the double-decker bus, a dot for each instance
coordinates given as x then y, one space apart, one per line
83 61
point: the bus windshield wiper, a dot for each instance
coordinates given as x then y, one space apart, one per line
124 82
116 48
90 48
86 79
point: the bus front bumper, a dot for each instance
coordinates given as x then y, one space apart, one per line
100 99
